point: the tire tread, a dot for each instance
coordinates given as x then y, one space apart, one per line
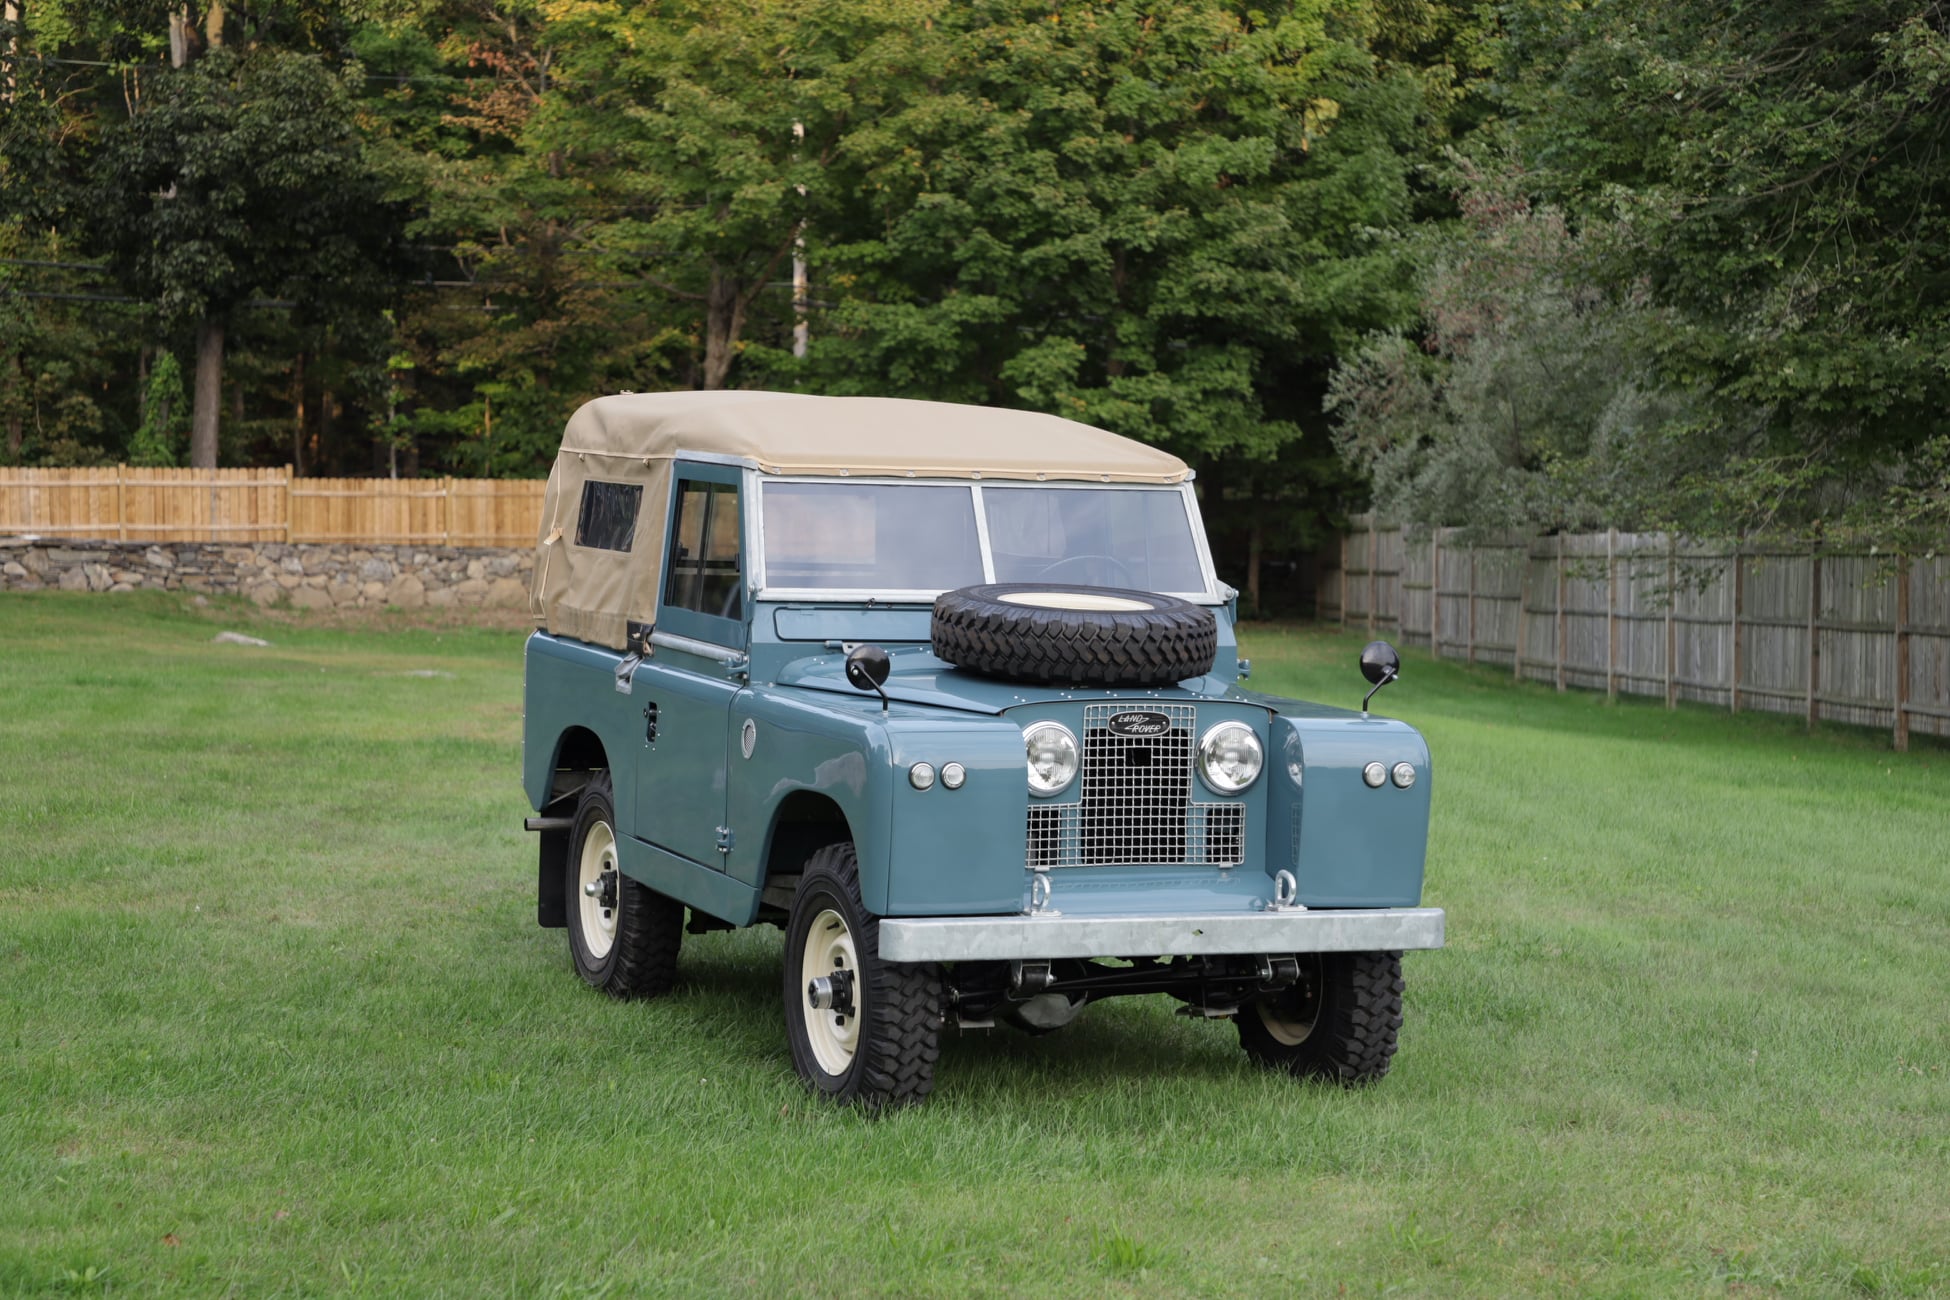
973 629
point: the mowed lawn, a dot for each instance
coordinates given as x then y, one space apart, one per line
275 1018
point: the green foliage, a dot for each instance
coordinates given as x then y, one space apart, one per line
239 175
1528 401
165 415
1151 220
1772 179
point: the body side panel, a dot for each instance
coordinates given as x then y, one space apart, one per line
569 684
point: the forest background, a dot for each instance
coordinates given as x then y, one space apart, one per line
1520 265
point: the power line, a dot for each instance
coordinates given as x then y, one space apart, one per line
69 266
398 77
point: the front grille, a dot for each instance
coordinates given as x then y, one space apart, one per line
1135 806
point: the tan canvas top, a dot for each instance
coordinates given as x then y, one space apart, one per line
793 433
594 594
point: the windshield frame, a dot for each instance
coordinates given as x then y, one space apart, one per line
1214 593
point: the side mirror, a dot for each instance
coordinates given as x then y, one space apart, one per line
1380 665
867 668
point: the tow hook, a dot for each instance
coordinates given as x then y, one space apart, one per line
832 993
603 890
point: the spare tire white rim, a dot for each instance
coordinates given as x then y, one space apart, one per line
1079 600
834 1038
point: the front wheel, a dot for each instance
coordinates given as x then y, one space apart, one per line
1338 1021
862 1031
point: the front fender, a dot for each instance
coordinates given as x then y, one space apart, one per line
1352 845
839 751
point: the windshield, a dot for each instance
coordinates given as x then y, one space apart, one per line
1122 538
885 537
868 537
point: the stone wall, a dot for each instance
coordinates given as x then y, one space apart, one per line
306 576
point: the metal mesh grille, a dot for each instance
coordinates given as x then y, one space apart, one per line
1136 806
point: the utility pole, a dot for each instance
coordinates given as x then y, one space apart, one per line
801 325
12 13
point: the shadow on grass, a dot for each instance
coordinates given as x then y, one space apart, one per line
729 992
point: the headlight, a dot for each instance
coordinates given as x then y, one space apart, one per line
1052 754
1229 757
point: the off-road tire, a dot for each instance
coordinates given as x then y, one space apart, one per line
898 1005
1355 1001
1167 641
642 958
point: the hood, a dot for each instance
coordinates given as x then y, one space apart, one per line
918 677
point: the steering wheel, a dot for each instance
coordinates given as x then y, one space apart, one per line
1127 580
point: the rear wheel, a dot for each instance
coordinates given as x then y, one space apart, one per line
623 936
862 1030
1340 1019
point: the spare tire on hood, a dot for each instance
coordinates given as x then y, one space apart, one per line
1083 636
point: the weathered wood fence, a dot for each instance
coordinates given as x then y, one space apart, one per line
267 505
1839 637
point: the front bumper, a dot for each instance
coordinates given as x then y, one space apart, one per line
1039 938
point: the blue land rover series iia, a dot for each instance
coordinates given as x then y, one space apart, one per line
951 695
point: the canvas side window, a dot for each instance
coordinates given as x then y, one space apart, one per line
705 574
607 520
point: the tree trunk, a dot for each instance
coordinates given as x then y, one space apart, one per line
323 453
298 416
724 321
213 24
209 394
179 36
1254 538
15 424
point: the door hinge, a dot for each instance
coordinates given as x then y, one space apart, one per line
626 671
725 839
650 723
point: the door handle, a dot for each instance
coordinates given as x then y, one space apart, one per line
650 723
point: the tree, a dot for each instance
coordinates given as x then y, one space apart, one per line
1160 219
1774 177
1528 398
161 430
720 134
242 175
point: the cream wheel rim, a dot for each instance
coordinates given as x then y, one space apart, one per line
1287 1033
834 1036
1078 600
598 859
1291 1031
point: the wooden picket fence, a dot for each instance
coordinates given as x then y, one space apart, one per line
1836 636
267 505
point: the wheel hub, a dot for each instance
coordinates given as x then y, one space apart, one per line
832 993
603 890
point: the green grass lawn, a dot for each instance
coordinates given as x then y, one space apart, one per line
275 1018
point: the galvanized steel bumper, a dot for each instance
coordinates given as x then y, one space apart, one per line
1036 938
